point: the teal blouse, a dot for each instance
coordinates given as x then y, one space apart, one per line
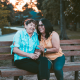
25 43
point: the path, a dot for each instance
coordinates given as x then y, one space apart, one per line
9 37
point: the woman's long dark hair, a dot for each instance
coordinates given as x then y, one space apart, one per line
48 28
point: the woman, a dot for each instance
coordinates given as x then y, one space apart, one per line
25 48
50 46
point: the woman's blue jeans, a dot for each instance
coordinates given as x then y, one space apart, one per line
58 64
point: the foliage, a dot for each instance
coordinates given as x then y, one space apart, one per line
51 10
4 13
73 11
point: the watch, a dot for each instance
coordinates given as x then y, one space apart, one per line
45 50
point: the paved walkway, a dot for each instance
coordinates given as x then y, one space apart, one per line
9 37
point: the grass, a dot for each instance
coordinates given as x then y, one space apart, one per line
7 31
71 34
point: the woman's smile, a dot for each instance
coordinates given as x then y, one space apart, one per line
32 29
41 27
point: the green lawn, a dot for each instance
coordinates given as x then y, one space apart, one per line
70 34
7 31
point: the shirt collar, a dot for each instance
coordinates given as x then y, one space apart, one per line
25 32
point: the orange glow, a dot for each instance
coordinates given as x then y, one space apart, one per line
19 4
2 0
2 5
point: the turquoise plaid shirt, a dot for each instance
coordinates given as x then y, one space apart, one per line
24 43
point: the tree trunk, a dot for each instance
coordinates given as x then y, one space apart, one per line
0 32
63 34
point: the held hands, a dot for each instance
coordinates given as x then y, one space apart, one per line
34 56
38 53
41 48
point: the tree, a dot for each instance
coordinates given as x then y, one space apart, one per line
72 12
4 13
63 34
51 10
11 17
54 11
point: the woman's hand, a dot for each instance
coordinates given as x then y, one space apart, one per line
38 53
41 48
33 56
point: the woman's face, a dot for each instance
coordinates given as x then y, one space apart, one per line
30 28
41 27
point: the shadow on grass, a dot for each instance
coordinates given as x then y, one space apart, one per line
7 31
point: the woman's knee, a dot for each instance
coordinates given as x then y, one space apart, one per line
58 63
58 68
49 65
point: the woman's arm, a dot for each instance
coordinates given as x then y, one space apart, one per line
55 44
22 53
